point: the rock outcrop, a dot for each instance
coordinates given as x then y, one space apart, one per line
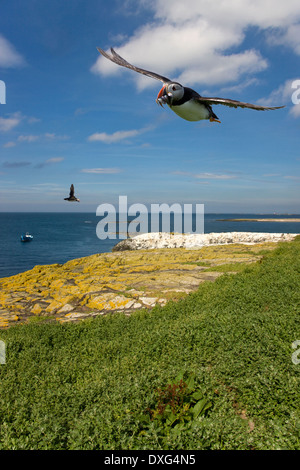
124 281
189 241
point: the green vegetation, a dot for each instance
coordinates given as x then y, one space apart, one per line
230 267
211 371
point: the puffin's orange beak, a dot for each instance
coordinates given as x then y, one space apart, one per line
160 95
161 92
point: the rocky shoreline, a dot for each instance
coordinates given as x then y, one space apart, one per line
158 240
154 269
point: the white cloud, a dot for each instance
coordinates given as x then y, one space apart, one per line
296 178
295 111
289 37
27 138
263 13
102 171
224 68
196 41
55 160
110 138
9 57
209 176
52 136
283 95
240 87
116 136
50 161
9 144
214 176
9 123
33 120
14 119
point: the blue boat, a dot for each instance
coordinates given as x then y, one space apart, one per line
26 238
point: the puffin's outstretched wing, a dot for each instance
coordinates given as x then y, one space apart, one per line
234 103
71 190
117 59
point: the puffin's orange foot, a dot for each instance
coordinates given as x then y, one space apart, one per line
214 120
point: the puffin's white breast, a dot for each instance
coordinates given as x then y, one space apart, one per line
191 111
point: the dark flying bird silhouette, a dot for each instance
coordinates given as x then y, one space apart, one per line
71 198
185 102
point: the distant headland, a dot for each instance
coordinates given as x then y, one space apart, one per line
259 220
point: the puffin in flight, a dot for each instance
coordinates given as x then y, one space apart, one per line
184 101
71 198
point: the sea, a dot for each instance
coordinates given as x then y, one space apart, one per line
60 237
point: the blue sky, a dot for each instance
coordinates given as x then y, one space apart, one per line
71 116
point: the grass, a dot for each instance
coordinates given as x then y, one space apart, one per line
226 268
214 368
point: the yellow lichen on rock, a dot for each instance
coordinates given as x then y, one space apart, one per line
54 306
36 309
4 323
114 282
